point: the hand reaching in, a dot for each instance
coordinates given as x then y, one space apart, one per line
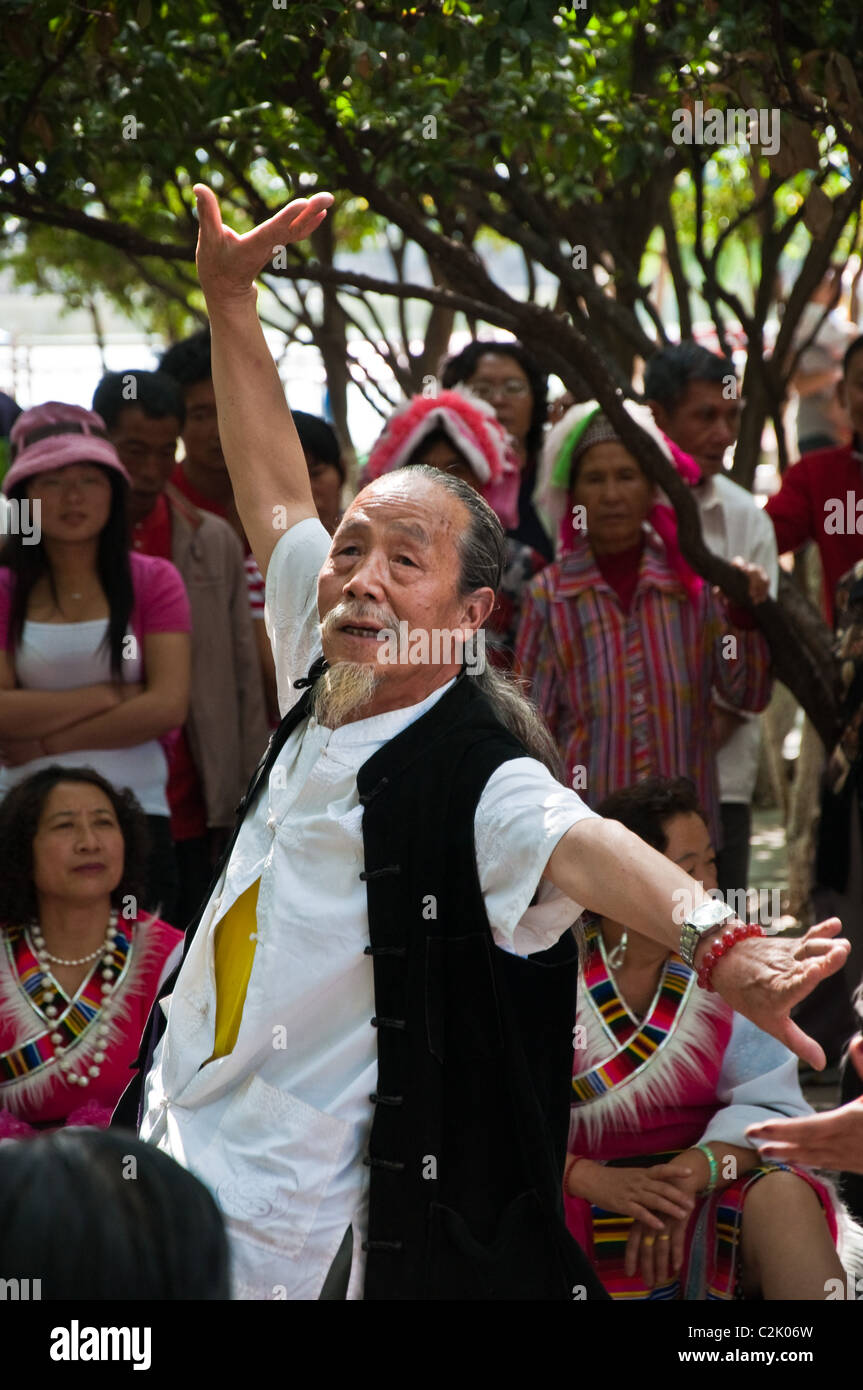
832 1139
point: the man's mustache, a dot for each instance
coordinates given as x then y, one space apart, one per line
350 613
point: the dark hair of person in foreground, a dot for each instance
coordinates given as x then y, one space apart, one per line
97 1214
20 813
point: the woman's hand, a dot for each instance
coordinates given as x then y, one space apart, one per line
831 1140
228 264
637 1192
660 1254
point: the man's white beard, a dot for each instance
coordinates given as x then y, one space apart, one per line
342 690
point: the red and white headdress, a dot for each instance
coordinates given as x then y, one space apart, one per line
473 430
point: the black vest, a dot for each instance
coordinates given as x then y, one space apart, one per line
471 1109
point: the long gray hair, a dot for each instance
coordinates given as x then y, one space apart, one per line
483 555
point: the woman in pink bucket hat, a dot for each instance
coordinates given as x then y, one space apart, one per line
94 639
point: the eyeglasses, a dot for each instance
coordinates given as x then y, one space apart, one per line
489 390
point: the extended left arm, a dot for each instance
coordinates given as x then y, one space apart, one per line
610 871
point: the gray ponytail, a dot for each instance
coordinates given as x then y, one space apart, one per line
483 555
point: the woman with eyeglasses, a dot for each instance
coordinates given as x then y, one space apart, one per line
513 383
94 639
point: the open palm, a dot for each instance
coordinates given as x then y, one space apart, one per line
229 263
764 977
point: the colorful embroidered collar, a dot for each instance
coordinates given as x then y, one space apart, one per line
633 1044
77 1015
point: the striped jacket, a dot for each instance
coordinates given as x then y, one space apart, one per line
627 696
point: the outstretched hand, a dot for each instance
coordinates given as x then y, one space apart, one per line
229 263
832 1140
764 977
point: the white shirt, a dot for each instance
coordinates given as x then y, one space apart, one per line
732 524
278 1128
62 656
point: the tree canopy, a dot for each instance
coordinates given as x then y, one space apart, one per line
708 152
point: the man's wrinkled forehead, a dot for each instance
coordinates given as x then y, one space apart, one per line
414 508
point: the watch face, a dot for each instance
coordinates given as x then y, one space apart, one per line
710 914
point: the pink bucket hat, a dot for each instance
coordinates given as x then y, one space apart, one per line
54 435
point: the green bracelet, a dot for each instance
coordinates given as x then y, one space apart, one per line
713 1180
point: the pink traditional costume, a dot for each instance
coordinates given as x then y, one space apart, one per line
66 1060
643 1090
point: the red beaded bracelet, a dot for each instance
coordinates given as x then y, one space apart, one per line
726 941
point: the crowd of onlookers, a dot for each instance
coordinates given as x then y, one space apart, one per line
138 692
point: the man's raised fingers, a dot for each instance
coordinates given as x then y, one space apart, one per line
816 960
831 926
299 214
209 213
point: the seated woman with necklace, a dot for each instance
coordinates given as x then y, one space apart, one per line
662 1188
80 966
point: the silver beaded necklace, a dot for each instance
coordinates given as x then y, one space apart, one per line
51 991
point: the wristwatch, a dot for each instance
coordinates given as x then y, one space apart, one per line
702 921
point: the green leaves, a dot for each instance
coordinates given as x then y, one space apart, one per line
492 58
414 105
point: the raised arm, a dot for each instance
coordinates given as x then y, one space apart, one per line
262 452
610 871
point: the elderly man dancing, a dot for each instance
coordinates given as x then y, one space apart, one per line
368 1046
